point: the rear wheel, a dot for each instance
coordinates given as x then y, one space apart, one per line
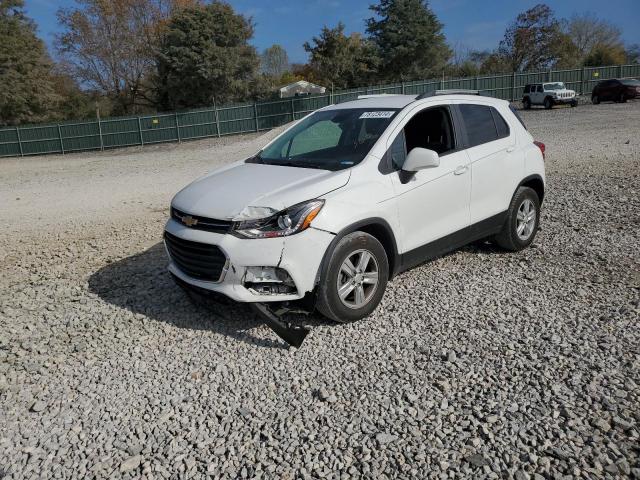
548 103
354 281
522 221
526 103
595 99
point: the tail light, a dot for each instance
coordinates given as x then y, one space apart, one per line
542 148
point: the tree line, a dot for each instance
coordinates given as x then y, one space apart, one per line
123 57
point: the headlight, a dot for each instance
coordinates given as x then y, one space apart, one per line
282 224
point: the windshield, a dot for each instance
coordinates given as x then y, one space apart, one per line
554 86
329 139
631 82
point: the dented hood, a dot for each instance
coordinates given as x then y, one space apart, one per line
224 193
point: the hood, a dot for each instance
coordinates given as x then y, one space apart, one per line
224 193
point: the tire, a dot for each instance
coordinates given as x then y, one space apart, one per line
574 104
622 98
510 237
548 103
526 103
595 99
359 299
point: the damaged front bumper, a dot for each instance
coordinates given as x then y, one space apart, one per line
292 264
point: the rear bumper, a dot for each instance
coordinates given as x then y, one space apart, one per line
300 255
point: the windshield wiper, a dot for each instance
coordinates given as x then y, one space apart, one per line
299 165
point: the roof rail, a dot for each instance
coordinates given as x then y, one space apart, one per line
460 91
378 95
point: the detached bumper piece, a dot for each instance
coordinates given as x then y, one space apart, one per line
292 334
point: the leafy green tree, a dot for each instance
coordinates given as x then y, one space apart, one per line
409 40
602 55
275 61
205 55
342 60
530 41
27 92
112 46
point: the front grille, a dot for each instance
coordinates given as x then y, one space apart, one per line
198 260
202 223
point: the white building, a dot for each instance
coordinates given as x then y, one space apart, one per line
300 87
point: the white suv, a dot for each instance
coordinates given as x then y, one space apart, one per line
353 194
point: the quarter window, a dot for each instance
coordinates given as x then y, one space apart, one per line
398 151
501 125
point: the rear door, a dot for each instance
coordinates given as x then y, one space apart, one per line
495 164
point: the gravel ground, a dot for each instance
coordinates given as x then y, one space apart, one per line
481 364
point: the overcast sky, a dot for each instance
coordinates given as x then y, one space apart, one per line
472 23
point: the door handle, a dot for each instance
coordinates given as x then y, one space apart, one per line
511 148
460 169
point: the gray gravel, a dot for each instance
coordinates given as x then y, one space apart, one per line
481 364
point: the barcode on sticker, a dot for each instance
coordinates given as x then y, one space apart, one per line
383 114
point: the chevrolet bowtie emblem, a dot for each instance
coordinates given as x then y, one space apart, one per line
189 221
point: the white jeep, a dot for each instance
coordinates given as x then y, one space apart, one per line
548 94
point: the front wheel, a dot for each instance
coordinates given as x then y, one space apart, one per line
622 98
574 103
521 224
354 281
548 103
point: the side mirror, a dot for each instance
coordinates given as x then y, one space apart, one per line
419 159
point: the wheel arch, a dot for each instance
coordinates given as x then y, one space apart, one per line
377 228
534 182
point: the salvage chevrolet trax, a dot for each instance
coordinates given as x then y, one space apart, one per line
353 194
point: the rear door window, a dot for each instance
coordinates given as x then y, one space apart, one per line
479 124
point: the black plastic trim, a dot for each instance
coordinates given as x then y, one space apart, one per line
477 231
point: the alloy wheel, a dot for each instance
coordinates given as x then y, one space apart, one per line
358 279
526 219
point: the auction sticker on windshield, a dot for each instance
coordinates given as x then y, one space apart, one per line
383 114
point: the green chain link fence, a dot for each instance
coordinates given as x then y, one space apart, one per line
116 132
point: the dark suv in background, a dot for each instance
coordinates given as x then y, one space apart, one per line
615 90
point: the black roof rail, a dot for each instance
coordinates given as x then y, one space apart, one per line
459 91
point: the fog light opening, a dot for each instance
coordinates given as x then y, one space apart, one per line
269 281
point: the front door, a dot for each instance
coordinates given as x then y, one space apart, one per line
434 202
